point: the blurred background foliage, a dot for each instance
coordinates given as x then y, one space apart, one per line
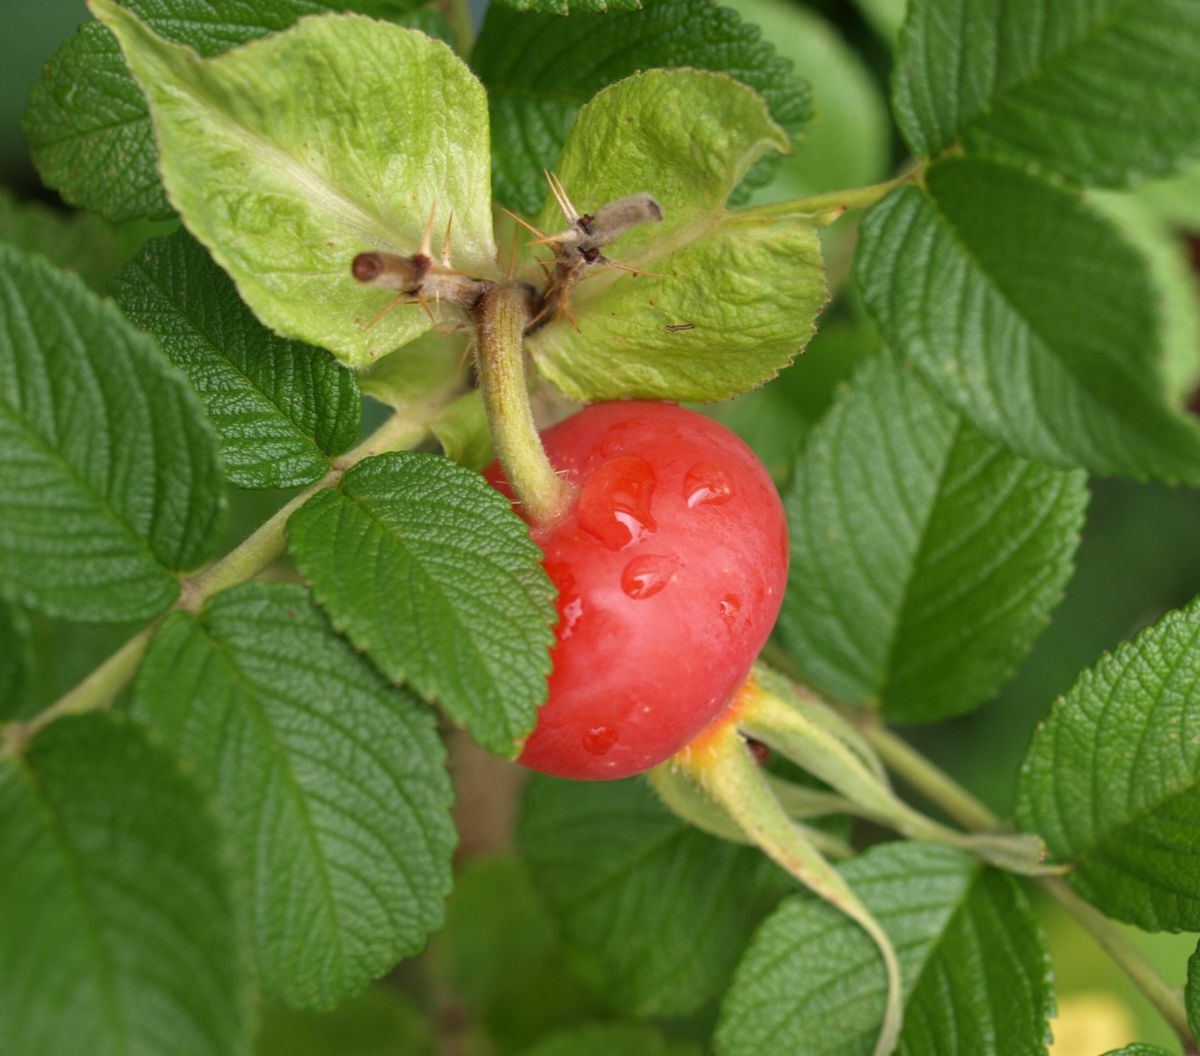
499 980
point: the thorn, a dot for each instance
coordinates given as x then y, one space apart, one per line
524 223
395 302
425 304
512 255
560 196
446 241
467 350
427 234
629 268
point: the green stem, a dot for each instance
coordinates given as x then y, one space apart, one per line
832 204
501 316
244 562
939 788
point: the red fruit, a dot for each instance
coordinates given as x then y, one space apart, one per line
670 567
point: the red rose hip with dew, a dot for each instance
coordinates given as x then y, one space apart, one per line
670 565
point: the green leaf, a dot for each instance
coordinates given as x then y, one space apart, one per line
429 571
1111 781
1192 993
1175 200
87 123
381 1022
1176 299
885 17
462 430
975 967
117 936
290 155
577 8
1138 1049
1101 91
280 407
110 477
540 69
848 141
1030 314
655 911
611 1039
925 558
748 283
328 782
78 241
16 659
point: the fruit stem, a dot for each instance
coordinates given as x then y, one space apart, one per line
811 735
719 761
943 791
501 315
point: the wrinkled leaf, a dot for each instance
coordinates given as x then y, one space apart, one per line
734 294
1102 91
110 479
973 958
289 156
328 783
429 571
1111 781
118 935
655 911
280 407
540 69
1029 313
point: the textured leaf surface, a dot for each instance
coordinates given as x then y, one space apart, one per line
289 156
110 476
733 295
16 659
925 558
280 407
656 911
117 936
87 123
572 7
539 70
1029 313
1112 779
973 958
328 783
1102 91
428 570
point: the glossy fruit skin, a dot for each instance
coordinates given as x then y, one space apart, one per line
670 566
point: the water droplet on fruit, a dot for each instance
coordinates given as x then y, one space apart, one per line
646 575
569 616
599 739
617 436
708 484
569 602
731 605
614 505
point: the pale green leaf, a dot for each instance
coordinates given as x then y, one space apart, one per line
973 959
110 478
462 430
539 70
281 408
734 294
429 571
290 155
925 558
655 911
428 370
1111 781
1029 313
848 141
1101 91
1175 200
1176 296
118 935
87 123
328 782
